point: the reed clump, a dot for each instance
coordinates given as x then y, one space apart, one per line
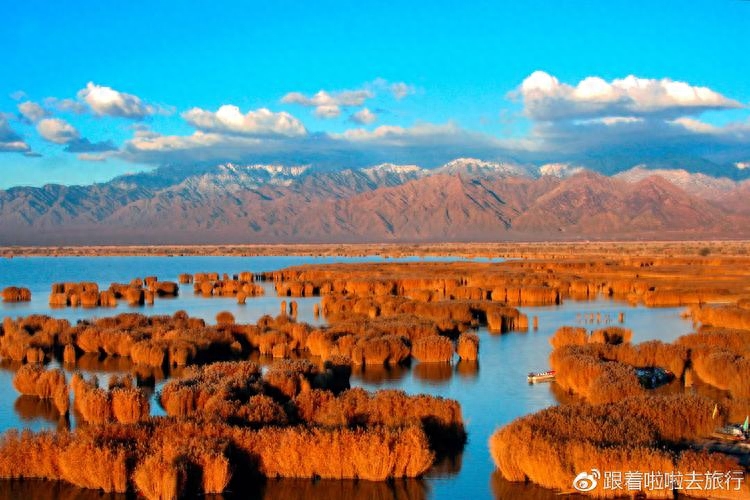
550 447
467 347
120 403
433 349
34 380
16 294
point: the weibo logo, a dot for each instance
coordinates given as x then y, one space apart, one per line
586 481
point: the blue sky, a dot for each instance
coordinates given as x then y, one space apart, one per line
435 78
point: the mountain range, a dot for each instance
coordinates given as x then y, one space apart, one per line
463 200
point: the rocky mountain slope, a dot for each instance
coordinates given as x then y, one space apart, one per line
464 200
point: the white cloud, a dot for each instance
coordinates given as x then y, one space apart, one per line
66 105
742 165
108 101
364 117
17 95
401 90
420 133
694 125
424 143
327 111
546 98
329 104
10 141
94 157
32 111
57 131
229 119
398 90
155 142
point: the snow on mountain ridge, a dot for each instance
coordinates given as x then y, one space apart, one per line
693 183
476 167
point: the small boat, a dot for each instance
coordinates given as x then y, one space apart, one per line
534 377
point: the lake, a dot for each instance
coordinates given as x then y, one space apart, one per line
492 392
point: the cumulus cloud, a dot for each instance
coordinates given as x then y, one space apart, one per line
424 143
364 117
32 111
546 98
10 141
57 131
230 120
329 104
110 102
66 105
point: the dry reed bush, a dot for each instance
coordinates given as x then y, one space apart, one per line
69 354
164 288
129 405
550 447
652 353
286 378
441 418
225 318
723 369
691 461
34 380
158 478
467 347
582 370
32 337
433 349
94 404
388 350
569 335
722 316
150 456
228 381
16 294
373 454
613 335
76 459
737 341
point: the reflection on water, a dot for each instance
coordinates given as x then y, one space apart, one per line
303 489
447 466
378 374
34 489
30 408
433 373
506 490
467 369
490 397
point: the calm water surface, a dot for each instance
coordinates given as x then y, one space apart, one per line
492 392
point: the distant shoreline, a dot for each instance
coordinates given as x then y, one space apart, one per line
470 250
